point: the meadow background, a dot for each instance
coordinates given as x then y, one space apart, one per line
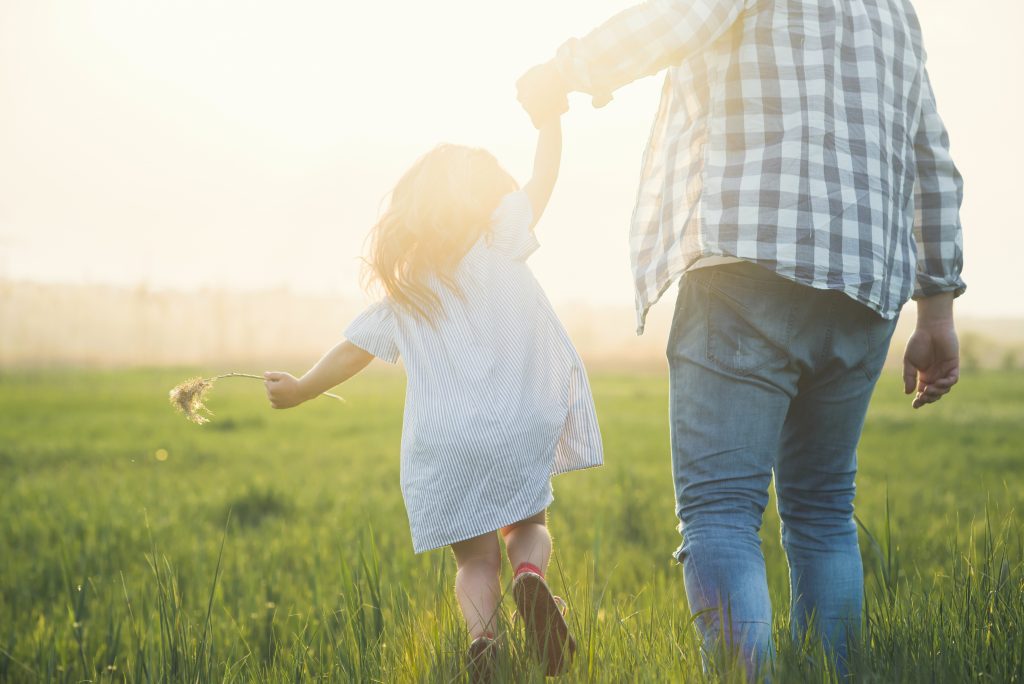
273 546
185 188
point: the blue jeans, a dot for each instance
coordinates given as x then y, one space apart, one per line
769 376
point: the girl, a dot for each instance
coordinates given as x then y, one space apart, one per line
497 398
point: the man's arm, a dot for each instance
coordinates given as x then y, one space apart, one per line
931 363
546 161
636 42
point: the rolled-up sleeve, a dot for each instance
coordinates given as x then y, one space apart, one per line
938 193
640 41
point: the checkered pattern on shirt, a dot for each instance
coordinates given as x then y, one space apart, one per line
801 135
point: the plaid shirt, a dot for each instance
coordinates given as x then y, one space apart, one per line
800 135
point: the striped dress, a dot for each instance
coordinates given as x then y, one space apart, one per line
497 399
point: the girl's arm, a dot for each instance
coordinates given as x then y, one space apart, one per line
545 166
338 365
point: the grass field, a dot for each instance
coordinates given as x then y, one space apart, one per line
118 560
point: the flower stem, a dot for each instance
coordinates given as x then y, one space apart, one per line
260 377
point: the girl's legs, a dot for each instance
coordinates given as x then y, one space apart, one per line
528 541
476 583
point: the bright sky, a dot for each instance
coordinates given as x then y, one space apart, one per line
248 144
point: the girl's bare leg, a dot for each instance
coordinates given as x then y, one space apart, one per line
477 584
528 541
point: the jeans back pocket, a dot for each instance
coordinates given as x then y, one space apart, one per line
749 317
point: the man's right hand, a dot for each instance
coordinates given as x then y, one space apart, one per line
542 93
931 363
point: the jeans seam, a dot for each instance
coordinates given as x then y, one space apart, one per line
873 340
863 365
829 331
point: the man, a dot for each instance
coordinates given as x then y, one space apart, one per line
798 184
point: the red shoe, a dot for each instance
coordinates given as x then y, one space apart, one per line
547 632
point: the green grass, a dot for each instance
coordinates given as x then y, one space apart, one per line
115 565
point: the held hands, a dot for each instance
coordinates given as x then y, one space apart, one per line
542 93
931 363
284 390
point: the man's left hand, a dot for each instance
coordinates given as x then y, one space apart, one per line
542 93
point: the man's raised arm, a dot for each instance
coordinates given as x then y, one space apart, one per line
636 42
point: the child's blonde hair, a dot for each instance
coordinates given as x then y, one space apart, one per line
436 212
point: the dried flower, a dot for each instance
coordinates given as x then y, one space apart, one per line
188 397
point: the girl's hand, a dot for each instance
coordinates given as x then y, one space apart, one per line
284 390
